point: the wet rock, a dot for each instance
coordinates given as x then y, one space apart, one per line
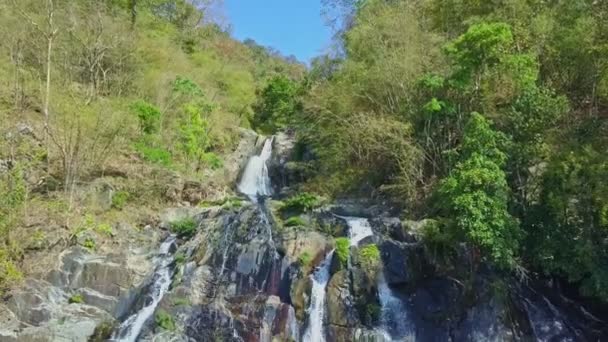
404 264
341 315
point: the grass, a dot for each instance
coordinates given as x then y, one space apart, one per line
295 221
164 320
76 299
185 228
300 203
119 199
305 259
342 250
369 256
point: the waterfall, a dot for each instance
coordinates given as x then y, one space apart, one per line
129 329
316 312
395 326
255 181
359 229
393 315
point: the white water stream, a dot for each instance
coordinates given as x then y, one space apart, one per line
131 328
316 312
255 181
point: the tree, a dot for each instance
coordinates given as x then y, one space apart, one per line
277 105
475 195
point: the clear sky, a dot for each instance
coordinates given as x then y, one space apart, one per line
294 27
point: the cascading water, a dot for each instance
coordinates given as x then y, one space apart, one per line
359 229
131 328
316 312
394 321
393 316
255 181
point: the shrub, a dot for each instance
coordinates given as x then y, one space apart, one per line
164 320
180 258
119 199
149 116
105 229
369 256
154 154
301 203
185 228
342 250
305 259
295 221
213 160
9 272
89 244
76 299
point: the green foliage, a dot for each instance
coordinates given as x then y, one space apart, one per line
119 199
149 116
180 258
305 259
156 155
572 212
482 46
295 221
342 250
301 202
185 228
369 257
89 243
278 103
10 274
164 320
476 194
105 229
76 299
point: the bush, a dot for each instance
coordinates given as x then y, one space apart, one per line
76 299
295 221
164 320
89 244
305 259
342 250
105 229
185 228
301 203
149 116
180 259
9 272
369 257
119 199
154 154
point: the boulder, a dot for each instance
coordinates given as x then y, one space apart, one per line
404 264
341 315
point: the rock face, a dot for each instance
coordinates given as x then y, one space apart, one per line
83 291
246 277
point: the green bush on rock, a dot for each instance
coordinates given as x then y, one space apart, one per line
342 250
185 228
164 320
301 203
369 257
295 221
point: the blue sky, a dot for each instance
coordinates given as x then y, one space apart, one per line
294 27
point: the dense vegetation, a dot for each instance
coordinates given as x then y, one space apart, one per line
490 117
146 87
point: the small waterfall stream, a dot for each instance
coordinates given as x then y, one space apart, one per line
255 181
316 312
130 329
395 326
